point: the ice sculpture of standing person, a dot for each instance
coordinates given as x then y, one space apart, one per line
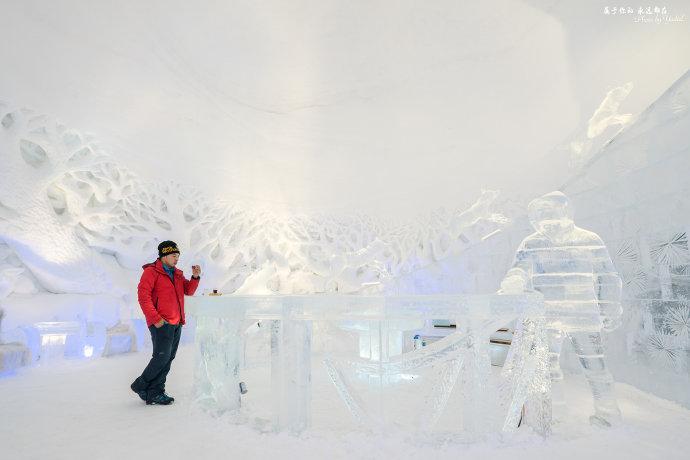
571 267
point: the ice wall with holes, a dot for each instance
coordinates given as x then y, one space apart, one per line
73 221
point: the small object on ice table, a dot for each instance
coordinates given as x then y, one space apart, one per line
243 388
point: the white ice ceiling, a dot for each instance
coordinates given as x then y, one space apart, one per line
333 104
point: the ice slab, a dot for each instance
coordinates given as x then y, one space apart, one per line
13 356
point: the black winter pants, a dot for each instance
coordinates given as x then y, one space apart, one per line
165 341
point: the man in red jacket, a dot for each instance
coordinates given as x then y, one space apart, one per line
161 296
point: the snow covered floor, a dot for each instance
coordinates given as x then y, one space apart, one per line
85 410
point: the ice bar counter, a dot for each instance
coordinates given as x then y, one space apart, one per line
382 381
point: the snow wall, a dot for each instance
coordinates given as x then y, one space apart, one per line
74 222
75 226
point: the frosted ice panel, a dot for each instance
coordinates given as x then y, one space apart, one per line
60 339
371 371
291 374
218 350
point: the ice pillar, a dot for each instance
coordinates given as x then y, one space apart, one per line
217 374
291 373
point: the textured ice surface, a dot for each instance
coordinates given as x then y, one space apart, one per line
371 384
571 267
218 349
646 164
76 221
586 143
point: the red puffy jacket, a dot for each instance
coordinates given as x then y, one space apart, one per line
160 298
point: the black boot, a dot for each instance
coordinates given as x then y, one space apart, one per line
160 398
135 388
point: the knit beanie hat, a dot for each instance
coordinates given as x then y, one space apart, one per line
166 248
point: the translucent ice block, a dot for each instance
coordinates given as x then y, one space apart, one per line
374 385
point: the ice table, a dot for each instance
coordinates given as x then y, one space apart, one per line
381 320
